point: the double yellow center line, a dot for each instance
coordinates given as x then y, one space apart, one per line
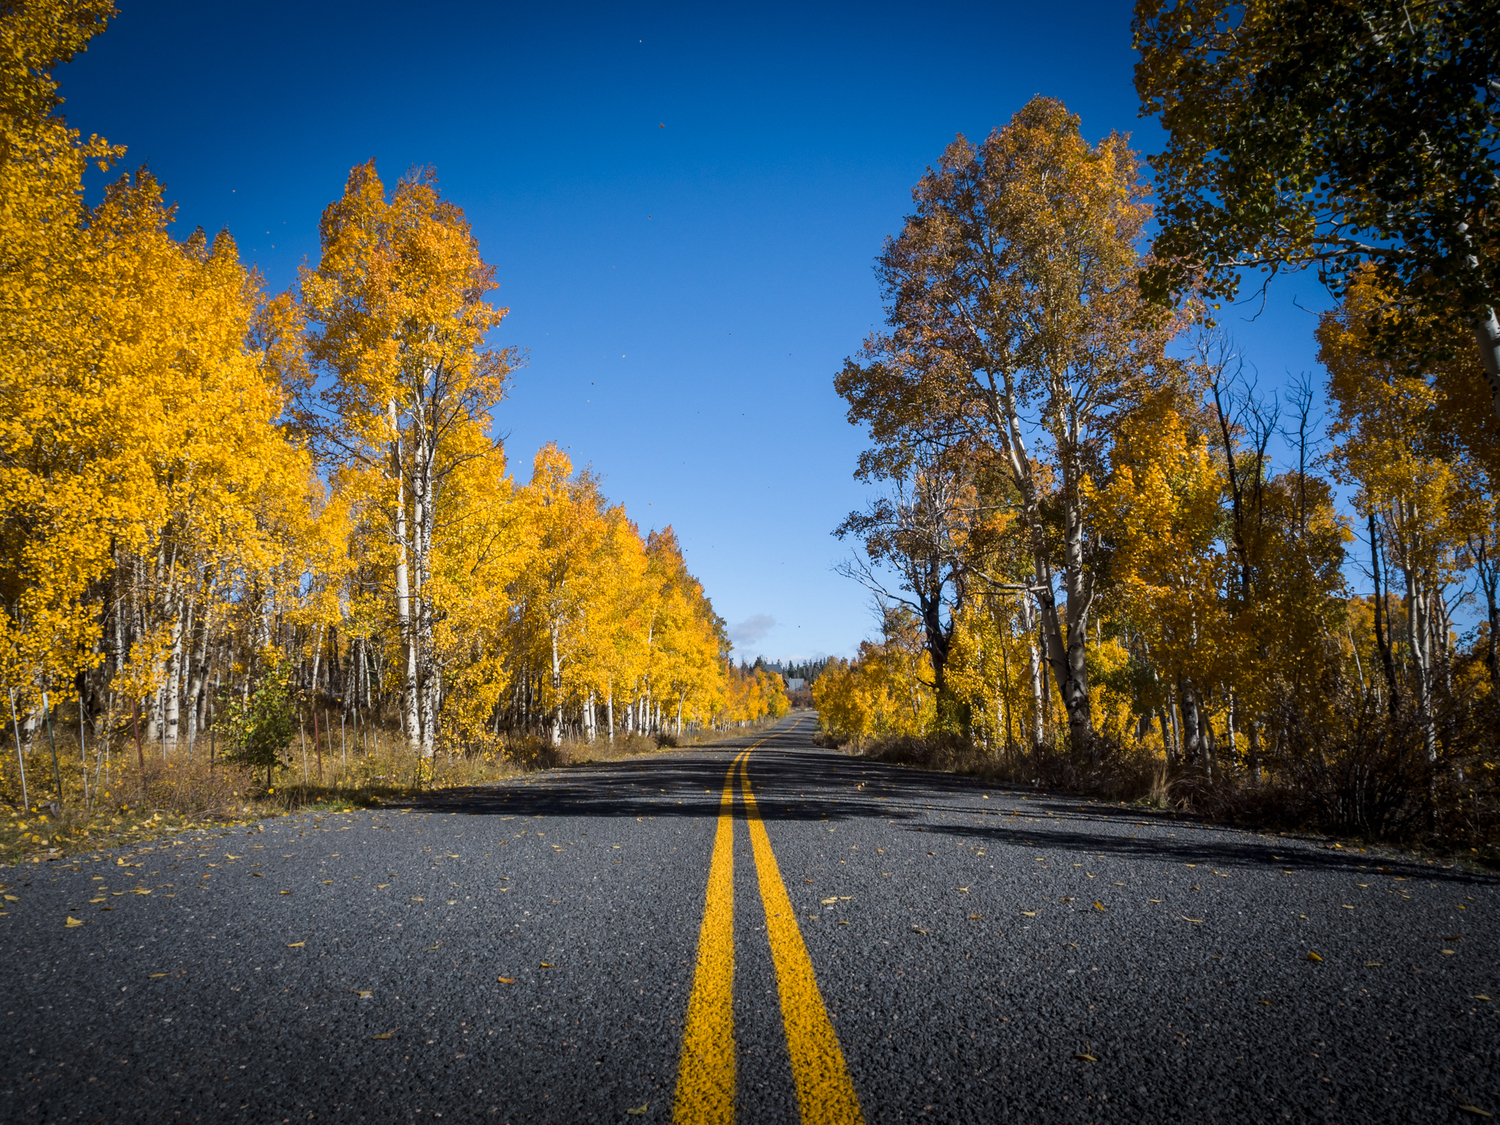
706 1076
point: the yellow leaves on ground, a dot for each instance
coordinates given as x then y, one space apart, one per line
71 922
1311 956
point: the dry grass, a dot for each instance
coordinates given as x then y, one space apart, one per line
1336 802
122 804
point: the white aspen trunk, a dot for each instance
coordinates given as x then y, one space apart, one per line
679 714
1065 656
422 519
1176 747
181 629
1230 730
408 709
1029 622
198 668
1192 740
588 717
609 710
1077 583
1487 338
317 661
557 709
1419 640
1442 628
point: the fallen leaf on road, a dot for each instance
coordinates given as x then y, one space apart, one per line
256 875
1066 898
1311 956
362 992
919 930
1185 918
506 980
100 899
1373 964
142 891
1267 1003
283 892
546 965
639 1110
1346 906
829 901
1085 1058
976 917
71 922
1157 900
383 1035
11 898
417 900
1475 1110
1448 952
1029 913
1098 906
155 976
295 944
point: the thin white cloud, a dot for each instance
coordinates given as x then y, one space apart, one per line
752 629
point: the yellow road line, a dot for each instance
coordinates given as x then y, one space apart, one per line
825 1094
705 1076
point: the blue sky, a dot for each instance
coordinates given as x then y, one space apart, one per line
683 204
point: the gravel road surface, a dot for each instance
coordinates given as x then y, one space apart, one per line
529 951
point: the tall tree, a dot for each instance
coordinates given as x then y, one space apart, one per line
1332 134
400 300
1015 320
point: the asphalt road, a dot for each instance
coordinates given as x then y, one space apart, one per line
555 949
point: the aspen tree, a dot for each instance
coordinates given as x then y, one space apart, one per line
399 301
1012 295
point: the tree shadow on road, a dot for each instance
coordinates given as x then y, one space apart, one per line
795 783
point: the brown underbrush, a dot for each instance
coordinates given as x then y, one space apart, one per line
1367 776
76 805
